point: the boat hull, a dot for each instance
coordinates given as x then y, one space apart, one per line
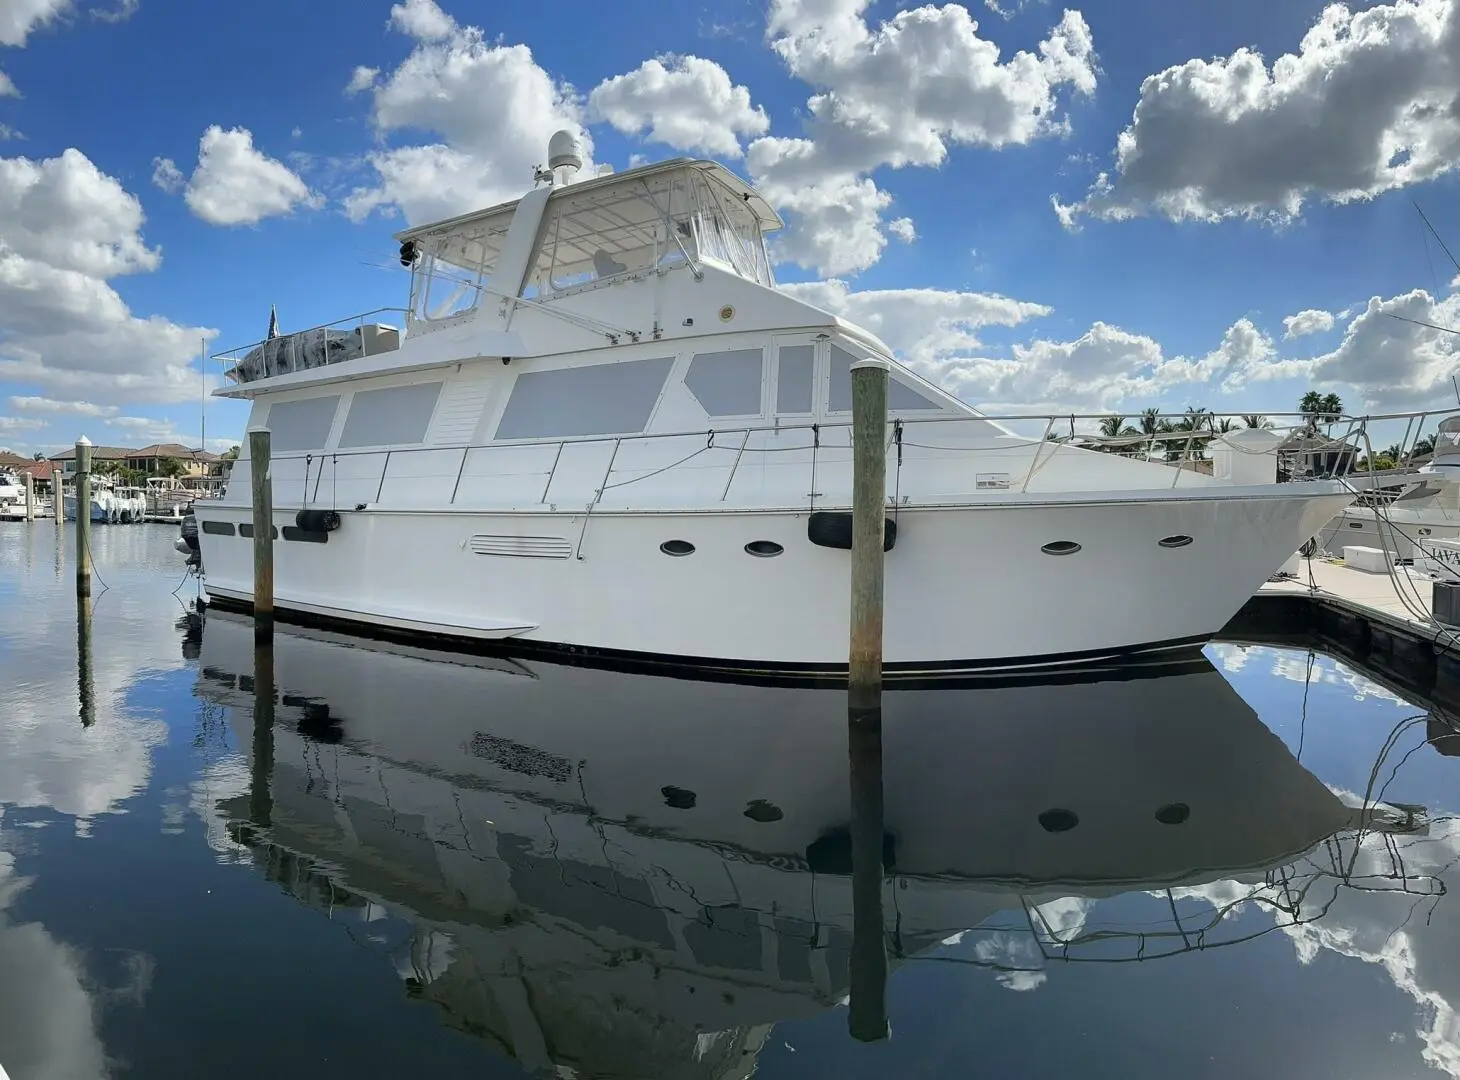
967 587
1399 531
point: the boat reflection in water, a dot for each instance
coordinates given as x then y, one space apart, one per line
632 875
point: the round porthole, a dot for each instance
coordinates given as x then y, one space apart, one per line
677 548
764 549
1060 547
1058 820
1173 813
1174 541
1424 532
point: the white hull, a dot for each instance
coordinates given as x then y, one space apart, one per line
1398 530
966 587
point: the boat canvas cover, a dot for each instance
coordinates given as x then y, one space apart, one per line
299 352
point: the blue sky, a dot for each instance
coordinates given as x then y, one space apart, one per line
173 168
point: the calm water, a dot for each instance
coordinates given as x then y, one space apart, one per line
437 866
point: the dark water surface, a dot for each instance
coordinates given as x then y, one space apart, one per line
442 865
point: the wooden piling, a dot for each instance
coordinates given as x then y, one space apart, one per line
260 795
263 535
85 684
867 996
82 488
29 498
869 501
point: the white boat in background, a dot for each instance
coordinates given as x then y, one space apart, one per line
12 492
605 431
109 506
1428 511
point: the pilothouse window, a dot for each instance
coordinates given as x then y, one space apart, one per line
640 224
454 267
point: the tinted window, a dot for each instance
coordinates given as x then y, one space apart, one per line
301 425
726 383
793 380
604 399
390 417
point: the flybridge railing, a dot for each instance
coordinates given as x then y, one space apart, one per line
1001 460
293 345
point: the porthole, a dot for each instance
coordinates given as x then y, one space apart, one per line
220 528
1058 820
1424 532
1173 813
1174 541
678 548
1355 524
1060 547
763 549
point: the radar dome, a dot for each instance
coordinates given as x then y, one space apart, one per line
563 152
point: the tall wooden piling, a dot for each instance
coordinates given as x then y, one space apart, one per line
85 684
869 501
867 996
260 794
263 535
867 1012
29 498
82 488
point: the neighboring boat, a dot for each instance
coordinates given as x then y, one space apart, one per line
107 506
12 492
131 504
1428 511
606 431
623 875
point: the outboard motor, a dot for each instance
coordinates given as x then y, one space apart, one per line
187 541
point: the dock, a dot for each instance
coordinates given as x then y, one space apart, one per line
1375 621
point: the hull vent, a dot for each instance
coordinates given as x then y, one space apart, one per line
522 547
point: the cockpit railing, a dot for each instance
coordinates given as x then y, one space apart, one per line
231 358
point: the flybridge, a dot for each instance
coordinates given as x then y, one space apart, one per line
556 241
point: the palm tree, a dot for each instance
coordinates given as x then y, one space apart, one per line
171 466
1225 425
1256 420
1110 426
1152 423
1320 408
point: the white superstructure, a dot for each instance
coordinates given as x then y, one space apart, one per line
601 427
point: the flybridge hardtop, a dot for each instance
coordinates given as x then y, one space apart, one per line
766 215
545 247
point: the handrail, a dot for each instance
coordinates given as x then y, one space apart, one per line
1196 441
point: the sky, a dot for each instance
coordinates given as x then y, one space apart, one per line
1102 207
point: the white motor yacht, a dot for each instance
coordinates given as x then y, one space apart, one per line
602 429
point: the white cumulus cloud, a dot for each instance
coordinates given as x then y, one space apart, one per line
1309 321
19 17
422 19
49 405
66 228
491 105
682 101
1367 104
361 79
234 182
898 94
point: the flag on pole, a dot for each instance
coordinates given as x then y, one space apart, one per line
273 322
